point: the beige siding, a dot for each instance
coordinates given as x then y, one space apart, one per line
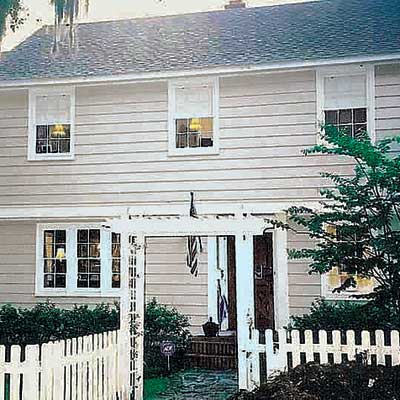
122 159
303 288
167 277
121 148
170 282
387 100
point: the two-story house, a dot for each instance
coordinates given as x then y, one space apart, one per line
103 141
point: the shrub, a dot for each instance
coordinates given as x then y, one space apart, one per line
162 323
330 382
45 322
344 315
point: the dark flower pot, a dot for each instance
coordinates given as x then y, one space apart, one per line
210 328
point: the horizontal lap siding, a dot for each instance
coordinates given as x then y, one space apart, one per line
169 281
303 288
121 148
387 101
167 277
17 268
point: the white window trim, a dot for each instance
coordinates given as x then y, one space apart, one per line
172 85
33 94
346 70
71 289
327 293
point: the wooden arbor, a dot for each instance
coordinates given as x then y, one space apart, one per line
135 228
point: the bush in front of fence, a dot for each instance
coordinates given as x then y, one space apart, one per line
45 322
163 323
346 315
330 382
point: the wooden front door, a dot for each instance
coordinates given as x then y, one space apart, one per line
263 282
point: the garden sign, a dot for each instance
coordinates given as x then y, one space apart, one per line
168 350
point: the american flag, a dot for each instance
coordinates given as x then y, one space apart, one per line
194 245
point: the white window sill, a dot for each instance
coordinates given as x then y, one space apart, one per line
54 157
198 151
63 293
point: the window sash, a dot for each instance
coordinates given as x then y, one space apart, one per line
71 257
53 109
202 102
342 92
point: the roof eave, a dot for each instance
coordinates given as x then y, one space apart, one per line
219 70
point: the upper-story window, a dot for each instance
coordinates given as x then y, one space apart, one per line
346 99
193 116
51 124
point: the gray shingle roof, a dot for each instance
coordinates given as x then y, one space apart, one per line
286 33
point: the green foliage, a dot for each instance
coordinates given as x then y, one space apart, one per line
330 382
162 323
10 10
365 210
346 315
46 322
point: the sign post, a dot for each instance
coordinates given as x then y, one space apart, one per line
168 350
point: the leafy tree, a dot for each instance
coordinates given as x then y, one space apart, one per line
364 210
65 12
10 10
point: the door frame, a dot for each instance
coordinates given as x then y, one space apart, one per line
280 276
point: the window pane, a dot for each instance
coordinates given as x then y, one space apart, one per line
360 115
94 266
94 280
60 236
94 250
48 280
83 280
48 266
41 147
89 262
60 281
52 109
61 266
194 132
42 132
194 100
331 117
94 236
345 116
346 120
116 265
116 283
345 92
83 266
83 250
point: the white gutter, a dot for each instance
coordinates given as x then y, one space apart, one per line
225 70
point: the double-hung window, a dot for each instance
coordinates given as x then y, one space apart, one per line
337 276
51 124
77 260
346 99
193 116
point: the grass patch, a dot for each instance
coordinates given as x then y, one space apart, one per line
153 387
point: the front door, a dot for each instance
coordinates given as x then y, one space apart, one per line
263 281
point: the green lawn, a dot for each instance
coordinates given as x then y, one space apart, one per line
194 384
154 387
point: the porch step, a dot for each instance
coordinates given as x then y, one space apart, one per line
213 353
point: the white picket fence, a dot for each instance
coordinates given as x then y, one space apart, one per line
86 368
284 350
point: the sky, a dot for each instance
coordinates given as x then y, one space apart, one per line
40 12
